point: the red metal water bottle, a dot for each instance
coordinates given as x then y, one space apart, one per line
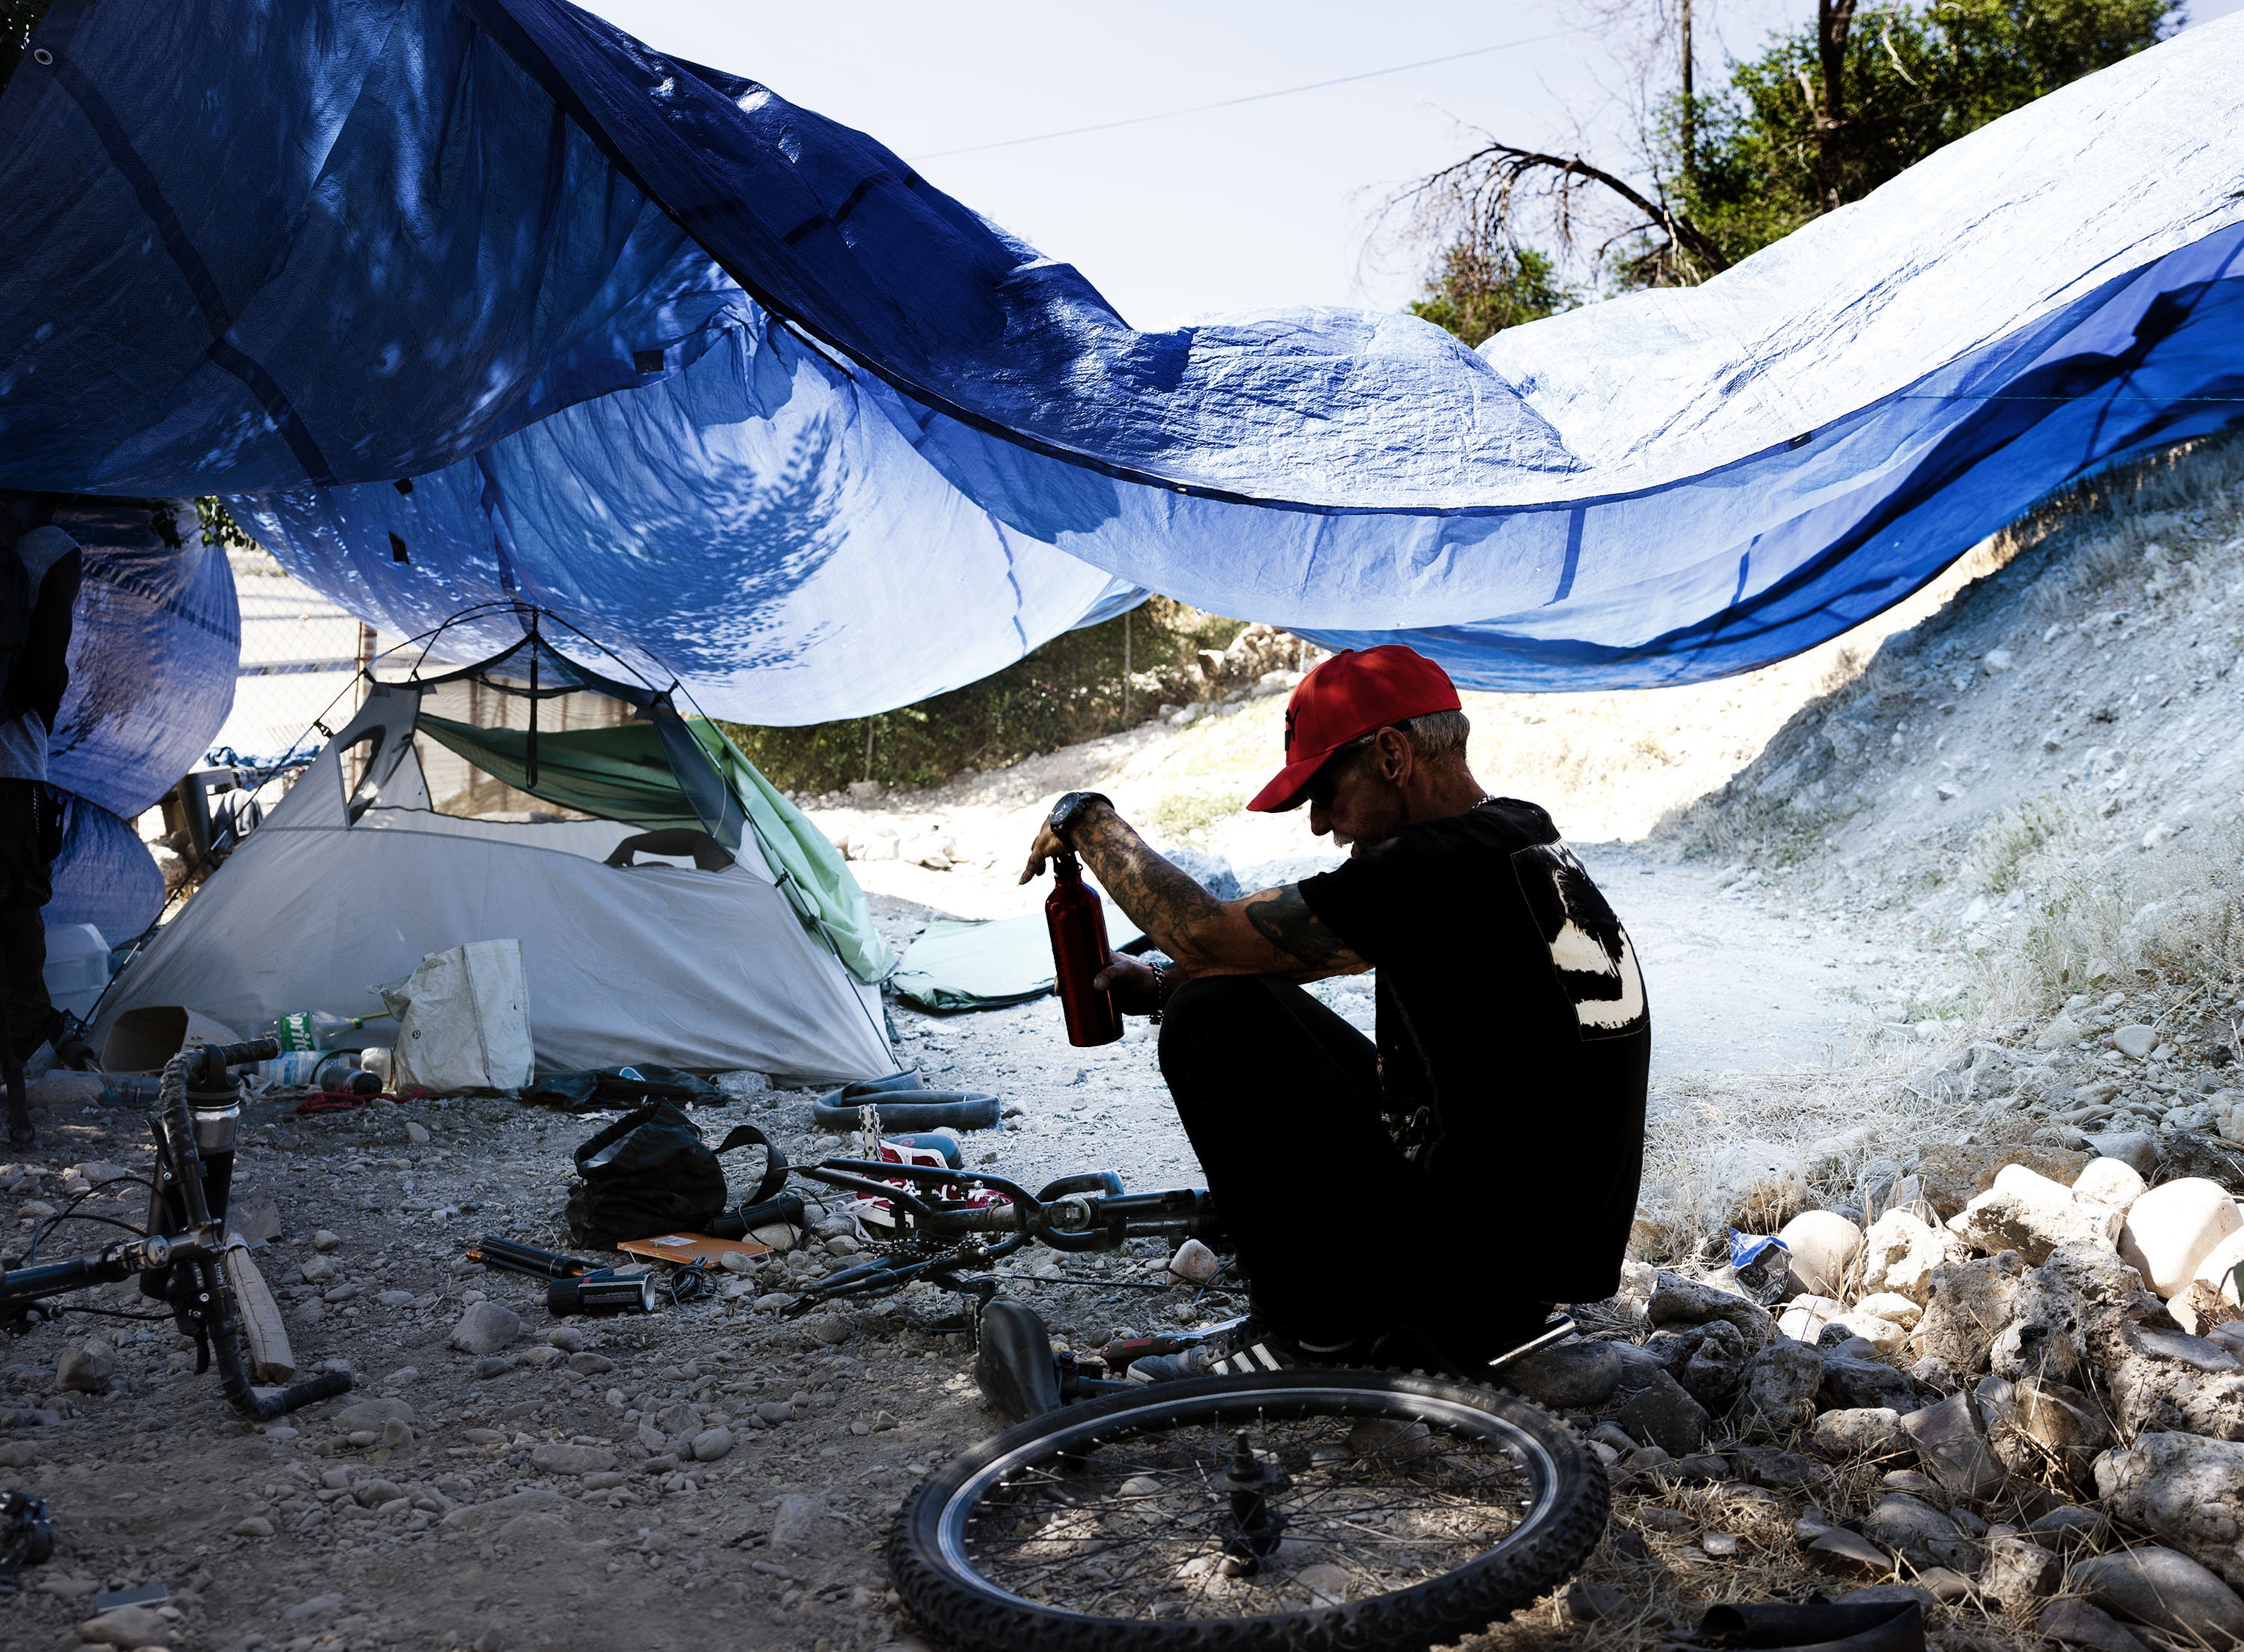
1078 942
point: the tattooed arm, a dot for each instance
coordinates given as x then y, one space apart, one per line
1270 933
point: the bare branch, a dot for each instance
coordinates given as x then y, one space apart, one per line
1479 194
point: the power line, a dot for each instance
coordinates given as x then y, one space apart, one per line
1254 97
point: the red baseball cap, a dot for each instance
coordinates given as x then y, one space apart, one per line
1348 695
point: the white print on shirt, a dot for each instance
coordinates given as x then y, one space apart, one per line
1589 952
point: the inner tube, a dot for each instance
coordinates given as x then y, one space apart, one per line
906 1107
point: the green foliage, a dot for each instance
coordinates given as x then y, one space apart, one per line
1479 291
1911 80
1070 690
220 528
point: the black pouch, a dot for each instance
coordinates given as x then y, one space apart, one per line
650 1172
597 1089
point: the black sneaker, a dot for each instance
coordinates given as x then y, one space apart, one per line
1245 1347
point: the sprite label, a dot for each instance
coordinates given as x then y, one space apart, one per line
295 1032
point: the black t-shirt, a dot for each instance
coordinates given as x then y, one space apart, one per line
1514 1038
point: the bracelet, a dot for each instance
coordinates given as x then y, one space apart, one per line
1062 819
1162 988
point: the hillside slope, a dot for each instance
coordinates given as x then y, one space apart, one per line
2026 773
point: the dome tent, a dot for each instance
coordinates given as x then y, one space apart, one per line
407 836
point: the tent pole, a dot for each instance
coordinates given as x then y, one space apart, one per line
1126 668
530 746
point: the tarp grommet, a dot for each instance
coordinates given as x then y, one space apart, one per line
42 57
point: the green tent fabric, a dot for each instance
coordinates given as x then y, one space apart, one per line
815 873
616 773
624 774
957 965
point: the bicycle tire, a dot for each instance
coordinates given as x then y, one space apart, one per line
931 1566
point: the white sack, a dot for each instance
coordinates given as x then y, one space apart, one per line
463 1022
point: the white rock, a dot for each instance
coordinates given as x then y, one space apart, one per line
1824 1245
2059 1034
1901 1251
1891 1304
1884 1335
1194 1263
2138 1149
2107 1181
1804 1317
2137 1040
1997 661
2027 1213
2171 1229
2220 1261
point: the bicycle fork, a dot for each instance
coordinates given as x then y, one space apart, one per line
214 1116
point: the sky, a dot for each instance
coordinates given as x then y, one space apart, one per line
1265 204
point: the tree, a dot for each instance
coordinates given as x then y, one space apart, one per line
1481 290
1812 124
1821 117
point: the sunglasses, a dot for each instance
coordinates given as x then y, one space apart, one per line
1324 784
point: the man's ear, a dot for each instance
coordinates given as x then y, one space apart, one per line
1398 757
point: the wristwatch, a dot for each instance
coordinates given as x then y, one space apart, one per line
1062 819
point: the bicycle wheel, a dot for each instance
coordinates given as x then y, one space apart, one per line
1298 1510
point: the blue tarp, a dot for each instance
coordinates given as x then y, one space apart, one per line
734 387
155 642
104 875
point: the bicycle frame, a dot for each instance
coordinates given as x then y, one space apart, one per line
178 1260
1076 1213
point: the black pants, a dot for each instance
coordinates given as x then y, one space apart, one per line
30 835
1340 1237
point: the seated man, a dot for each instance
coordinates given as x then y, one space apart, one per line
1479 1163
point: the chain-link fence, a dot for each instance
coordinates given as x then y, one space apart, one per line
300 656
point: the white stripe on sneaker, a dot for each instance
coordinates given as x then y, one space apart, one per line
1262 1351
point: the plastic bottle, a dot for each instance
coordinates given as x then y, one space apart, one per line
291 1068
1078 923
319 1030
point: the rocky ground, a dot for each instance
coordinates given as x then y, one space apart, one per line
496 1479
1941 944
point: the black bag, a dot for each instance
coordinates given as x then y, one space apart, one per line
650 1172
597 1089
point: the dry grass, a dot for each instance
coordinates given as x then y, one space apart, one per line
2096 923
1830 1122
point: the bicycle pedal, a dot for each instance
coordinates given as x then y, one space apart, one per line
1123 1351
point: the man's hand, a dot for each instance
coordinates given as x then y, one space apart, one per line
1271 932
1045 847
1137 989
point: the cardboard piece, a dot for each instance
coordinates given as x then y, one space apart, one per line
682 1248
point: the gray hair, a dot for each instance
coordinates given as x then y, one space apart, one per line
1437 734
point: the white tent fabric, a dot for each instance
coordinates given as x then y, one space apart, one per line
710 971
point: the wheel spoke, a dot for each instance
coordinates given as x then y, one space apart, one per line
1136 1523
